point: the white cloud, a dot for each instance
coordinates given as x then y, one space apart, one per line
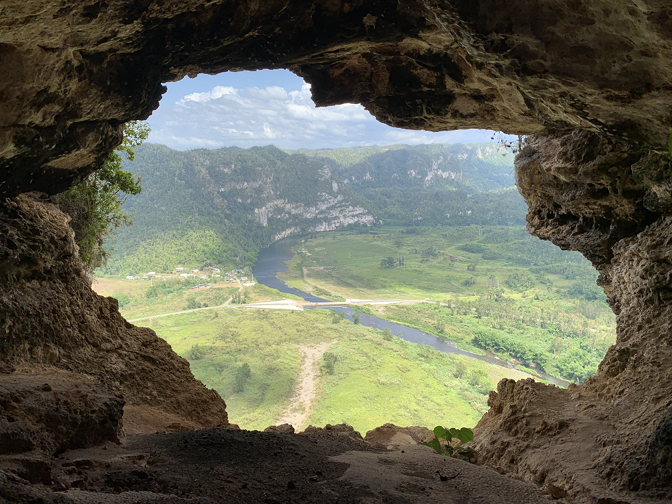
217 92
226 116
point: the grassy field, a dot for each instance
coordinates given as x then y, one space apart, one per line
377 378
137 299
496 288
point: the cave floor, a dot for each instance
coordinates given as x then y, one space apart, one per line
219 465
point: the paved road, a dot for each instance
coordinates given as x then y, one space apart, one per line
287 304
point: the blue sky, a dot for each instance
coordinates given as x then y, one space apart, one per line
272 107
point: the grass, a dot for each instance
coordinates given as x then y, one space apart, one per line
137 299
474 280
377 378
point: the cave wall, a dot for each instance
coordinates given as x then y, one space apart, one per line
591 80
50 318
75 71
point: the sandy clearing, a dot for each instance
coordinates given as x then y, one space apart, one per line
301 405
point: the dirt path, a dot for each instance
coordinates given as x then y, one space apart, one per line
301 404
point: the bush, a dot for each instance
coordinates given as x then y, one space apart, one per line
500 342
242 375
520 282
473 248
586 291
123 300
459 370
328 362
480 381
196 352
192 304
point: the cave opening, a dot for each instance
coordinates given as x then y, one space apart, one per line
511 292
589 82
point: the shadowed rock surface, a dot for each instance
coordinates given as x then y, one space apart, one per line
591 79
217 465
50 317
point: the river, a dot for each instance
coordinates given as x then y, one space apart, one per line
271 261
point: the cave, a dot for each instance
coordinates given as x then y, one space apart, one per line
590 82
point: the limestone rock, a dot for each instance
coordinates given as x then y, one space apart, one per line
283 429
50 316
69 411
72 72
390 435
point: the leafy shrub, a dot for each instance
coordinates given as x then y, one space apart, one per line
586 291
520 282
480 381
430 252
196 352
192 304
500 342
489 255
328 362
464 435
242 375
123 300
459 370
473 248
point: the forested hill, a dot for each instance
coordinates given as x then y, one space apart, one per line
448 184
222 206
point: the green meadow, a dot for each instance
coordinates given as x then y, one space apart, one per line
376 377
494 288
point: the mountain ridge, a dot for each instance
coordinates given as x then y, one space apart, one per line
202 206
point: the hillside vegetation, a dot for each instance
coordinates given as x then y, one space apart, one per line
497 288
219 207
375 377
206 207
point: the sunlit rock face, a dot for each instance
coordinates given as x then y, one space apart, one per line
591 79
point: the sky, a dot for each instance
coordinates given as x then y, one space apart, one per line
265 107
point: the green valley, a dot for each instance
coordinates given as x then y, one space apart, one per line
494 288
376 377
439 226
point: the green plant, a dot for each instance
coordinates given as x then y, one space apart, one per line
242 375
196 352
463 435
329 362
192 304
94 205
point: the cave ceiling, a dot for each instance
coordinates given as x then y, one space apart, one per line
74 71
590 81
